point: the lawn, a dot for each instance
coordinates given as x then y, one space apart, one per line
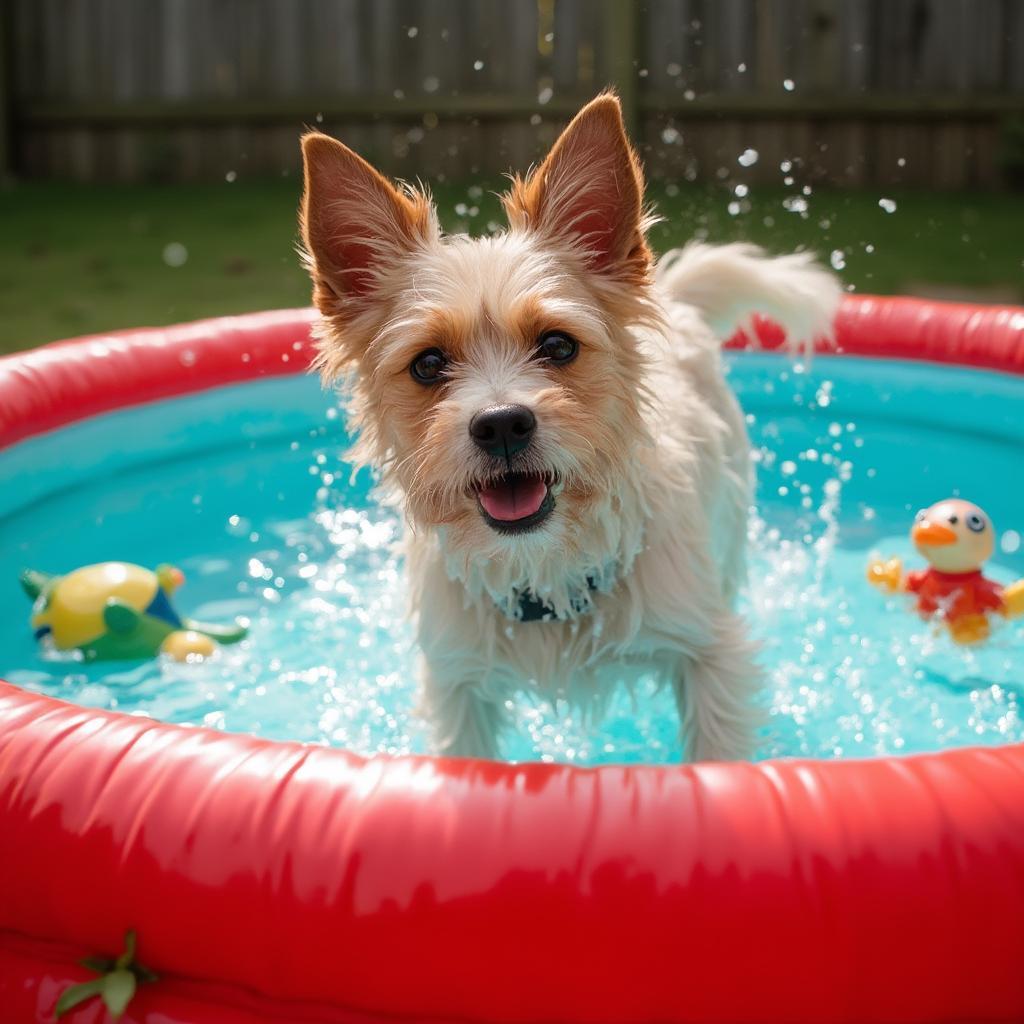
79 260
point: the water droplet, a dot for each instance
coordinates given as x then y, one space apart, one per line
175 254
231 176
670 136
788 84
544 96
741 190
413 32
747 158
837 259
673 69
1010 542
478 65
431 83
889 205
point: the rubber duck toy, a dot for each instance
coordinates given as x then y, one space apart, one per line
119 611
956 538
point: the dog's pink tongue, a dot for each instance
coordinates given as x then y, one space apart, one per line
516 498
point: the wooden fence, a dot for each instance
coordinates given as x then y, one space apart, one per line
920 92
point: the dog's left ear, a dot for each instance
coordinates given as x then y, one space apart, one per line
589 193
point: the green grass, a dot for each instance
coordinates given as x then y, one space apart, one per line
78 260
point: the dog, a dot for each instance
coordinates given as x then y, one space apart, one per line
549 407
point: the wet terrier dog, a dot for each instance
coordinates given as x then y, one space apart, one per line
549 407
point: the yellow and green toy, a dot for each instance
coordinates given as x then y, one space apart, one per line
119 611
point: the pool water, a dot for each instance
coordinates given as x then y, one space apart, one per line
245 488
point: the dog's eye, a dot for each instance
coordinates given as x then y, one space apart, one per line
557 348
428 367
975 523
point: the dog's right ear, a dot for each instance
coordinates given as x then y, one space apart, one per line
355 223
588 192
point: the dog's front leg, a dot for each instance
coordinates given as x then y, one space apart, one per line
715 688
464 721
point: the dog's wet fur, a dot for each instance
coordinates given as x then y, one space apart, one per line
622 509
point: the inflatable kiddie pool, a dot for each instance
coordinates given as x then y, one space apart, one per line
273 881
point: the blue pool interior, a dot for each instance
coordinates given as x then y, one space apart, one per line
246 489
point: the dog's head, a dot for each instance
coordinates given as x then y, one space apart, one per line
494 380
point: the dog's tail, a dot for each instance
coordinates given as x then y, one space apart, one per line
730 283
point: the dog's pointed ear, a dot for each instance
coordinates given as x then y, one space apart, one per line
589 192
355 223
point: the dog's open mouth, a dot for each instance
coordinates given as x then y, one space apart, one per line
516 502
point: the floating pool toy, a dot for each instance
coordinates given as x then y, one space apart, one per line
956 538
116 611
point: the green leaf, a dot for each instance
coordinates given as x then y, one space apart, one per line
71 997
99 964
125 959
118 989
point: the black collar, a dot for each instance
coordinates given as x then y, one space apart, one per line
532 609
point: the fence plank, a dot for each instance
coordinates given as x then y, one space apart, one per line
119 88
620 47
7 88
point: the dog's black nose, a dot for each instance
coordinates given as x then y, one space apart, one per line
503 430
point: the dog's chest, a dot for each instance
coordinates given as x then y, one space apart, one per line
577 660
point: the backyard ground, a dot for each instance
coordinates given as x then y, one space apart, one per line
80 260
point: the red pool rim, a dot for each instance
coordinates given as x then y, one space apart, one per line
279 882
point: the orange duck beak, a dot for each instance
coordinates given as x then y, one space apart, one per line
933 535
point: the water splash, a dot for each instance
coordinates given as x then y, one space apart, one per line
308 557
